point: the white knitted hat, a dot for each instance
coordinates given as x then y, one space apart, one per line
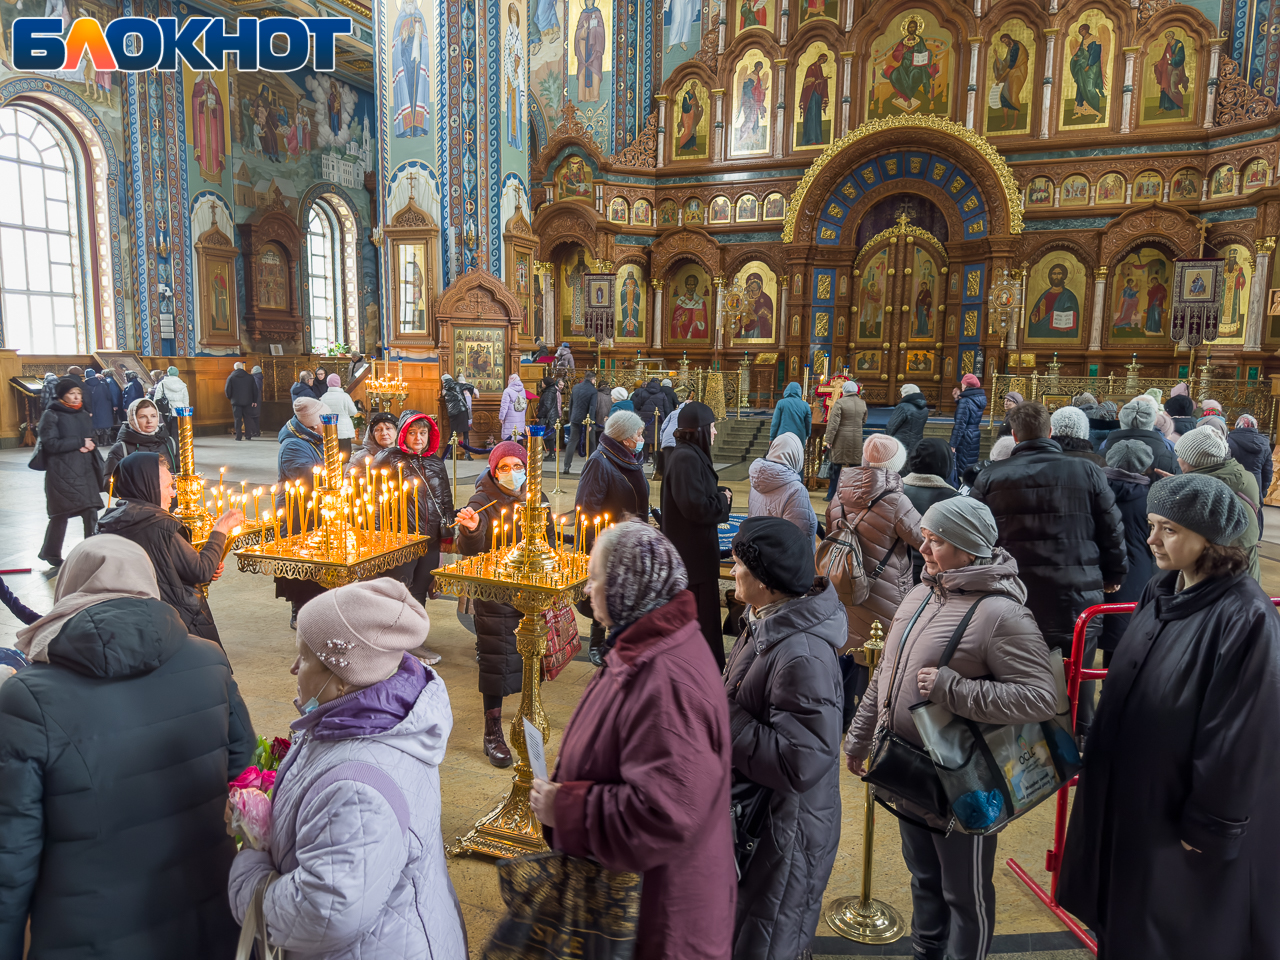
1202 447
1070 422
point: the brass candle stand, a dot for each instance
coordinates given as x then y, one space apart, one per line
863 918
190 510
386 388
352 527
532 576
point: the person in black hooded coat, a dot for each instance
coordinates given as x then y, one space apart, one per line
144 489
647 400
907 421
1182 411
1128 469
73 468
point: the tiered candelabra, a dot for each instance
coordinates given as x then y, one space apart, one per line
532 575
386 388
346 526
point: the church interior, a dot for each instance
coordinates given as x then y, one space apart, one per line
737 196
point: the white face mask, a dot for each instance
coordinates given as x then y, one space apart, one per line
512 482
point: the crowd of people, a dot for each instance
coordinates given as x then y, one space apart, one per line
714 775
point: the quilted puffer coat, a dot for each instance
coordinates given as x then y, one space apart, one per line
891 523
72 479
432 507
355 832
844 429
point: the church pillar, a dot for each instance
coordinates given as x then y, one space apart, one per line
724 26
657 314
1053 6
1099 307
1215 54
780 126
782 316
548 304
1258 295
1051 38
845 98
719 148
662 128
974 43
784 21
718 283
1126 109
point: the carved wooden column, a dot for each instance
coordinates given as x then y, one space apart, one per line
782 314
1050 39
846 98
1215 55
1099 307
657 314
719 148
1256 317
718 283
549 304
974 43
662 129
779 90
1126 108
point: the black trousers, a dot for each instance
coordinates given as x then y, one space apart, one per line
416 574
252 421
240 416
707 597
56 531
575 435
953 901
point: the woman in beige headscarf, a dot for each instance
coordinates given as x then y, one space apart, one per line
116 747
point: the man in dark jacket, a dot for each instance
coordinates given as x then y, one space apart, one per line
1137 422
604 406
613 483
453 393
242 391
97 400
255 412
908 418
582 402
791 415
115 754
1253 452
965 438
301 450
1058 518
649 400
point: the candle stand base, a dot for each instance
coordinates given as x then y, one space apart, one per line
866 921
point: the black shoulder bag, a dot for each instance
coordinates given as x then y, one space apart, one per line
900 768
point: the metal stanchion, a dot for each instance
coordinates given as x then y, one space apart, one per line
588 424
657 438
558 443
453 445
862 918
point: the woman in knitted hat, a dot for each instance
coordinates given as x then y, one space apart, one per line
1175 814
1000 674
379 434
73 467
843 435
1011 400
354 863
786 716
642 779
1071 432
301 450
777 487
621 400
925 483
909 417
965 439
1182 411
871 501
1128 473
1205 451
500 490
693 507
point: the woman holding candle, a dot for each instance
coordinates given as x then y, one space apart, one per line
301 453
500 491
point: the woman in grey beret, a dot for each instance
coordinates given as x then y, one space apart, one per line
1175 816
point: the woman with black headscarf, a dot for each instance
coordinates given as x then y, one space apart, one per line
144 488
693 507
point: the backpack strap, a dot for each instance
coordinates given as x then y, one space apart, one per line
961 627
371 776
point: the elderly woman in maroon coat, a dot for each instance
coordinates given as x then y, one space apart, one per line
642 783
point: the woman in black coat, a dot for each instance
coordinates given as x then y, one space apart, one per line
693 507
73 468
1128 473
502 487
144 489
1175 817
141 433
116 748
907 421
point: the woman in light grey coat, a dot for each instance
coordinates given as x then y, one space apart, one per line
776 487
355 835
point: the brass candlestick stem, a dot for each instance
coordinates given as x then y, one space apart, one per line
863 918
190 509
558 428
587 424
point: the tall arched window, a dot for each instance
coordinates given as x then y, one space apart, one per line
322 278
43 293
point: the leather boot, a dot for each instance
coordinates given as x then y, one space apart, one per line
495 747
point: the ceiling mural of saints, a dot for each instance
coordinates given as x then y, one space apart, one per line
1140 296
1010 58
749 122
815 83
911 69
691 122
1087 74
1168 79
1056 290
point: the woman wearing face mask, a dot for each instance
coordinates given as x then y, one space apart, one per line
511 412
144 489
378 436
693 507
73 468
143 433
502 488
613 483
354 868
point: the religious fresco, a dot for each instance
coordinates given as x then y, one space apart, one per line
1222 181
926 294
807 10
1168 79
1185 185
411 293
814 92
631 305
690 305
1056 288
748 209
866 361
546 64
1111 188
479 357
911 69
871 290
1140 296
1089 47
642 213
574 180
1254 176
756 14
1040 192
1148 185
570 288
618 210
721 211
589 81
1238 274
514 82
681 32
1075 191
411 40
694 212
751 107
756 288
775 207
691 122
1010 59
208 131
668 213
920 361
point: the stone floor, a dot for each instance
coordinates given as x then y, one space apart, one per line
255 628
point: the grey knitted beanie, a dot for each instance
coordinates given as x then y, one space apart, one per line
1070 422
1133 456
1202 447
1138 415
1203 504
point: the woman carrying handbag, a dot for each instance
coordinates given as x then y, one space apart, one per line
953 904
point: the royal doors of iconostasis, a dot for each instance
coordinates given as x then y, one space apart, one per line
897 306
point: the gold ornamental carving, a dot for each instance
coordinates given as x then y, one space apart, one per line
1237 101
642 152
892 234
1012 194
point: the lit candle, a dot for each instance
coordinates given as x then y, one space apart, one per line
493 547
561 531
417 516
504 536
111 487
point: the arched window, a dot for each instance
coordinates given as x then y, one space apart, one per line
323 282
40 277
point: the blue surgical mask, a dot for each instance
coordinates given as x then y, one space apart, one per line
313 703
513 482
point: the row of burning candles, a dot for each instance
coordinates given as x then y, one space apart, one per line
506 535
